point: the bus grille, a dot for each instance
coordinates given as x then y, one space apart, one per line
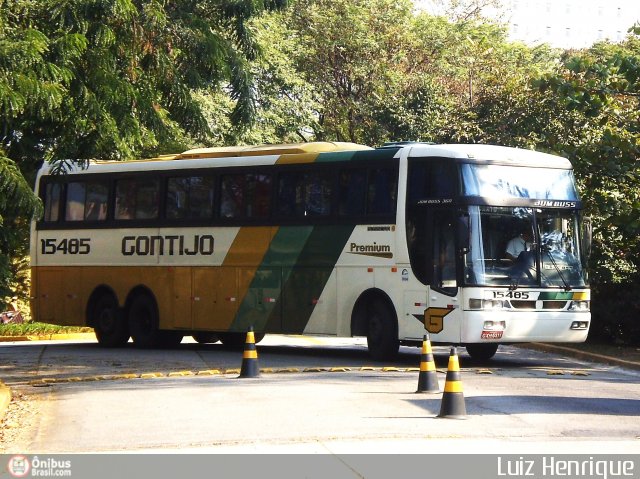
533 305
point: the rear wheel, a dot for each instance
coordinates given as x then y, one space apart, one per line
206 338
233 340
482 351
143 325
382 331
108 323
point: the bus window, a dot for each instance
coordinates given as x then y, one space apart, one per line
430 179
352 192
137 199
74 208
86 201
383 185
52 202
190 197
258 196
304 194
232 196
96 202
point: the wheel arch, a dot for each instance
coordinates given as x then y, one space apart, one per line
359 316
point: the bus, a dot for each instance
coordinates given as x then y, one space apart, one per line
323 238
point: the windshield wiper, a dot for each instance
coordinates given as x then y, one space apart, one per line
545 248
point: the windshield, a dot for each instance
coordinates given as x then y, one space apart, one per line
513 246
501 181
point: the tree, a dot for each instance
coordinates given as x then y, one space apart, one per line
600 90
116 79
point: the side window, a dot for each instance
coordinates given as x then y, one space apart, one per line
431 179
190 197
52 195
352 194
305 194
245 195
96 203
258 196
382 191
86 201
232 196
74 208
137 199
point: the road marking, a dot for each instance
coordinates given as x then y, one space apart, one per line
46 381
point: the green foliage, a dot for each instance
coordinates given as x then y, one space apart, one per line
111 79
599 89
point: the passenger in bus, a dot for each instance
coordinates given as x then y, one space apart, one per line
520 243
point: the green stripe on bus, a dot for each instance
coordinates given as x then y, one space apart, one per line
368 155
557 296
292 275
264 296
308 278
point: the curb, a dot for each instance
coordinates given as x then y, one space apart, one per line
578 354
5 399
48 337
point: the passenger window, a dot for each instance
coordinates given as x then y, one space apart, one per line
52 202
232 196
353 191
190 197
258 196
86 201
137 199
382 190
305 194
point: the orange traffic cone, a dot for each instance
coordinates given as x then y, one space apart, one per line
453 400
427 379
250 357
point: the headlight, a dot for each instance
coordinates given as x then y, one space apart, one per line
579 306
481 304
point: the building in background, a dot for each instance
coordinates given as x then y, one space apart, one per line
560 23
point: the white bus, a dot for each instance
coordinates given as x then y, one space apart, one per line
330 239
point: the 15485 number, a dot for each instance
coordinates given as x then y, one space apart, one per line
510 294
65 246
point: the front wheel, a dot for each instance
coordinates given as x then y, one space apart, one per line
382 331
482 351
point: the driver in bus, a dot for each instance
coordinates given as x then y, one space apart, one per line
520 243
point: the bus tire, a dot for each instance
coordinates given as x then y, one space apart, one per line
482 352
206 338
382 331
108 323
233 340
143 322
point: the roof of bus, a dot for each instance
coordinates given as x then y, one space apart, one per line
490 153
286 149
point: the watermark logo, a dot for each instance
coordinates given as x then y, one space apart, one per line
22 466
19 466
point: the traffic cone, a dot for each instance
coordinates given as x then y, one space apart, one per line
250 357
453 400
427 379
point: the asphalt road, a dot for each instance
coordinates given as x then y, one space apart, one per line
314 395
